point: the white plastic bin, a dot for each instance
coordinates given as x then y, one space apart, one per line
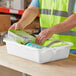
38 55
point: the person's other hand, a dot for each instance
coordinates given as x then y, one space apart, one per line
44 35
15 26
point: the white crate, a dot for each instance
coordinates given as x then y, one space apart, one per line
38 55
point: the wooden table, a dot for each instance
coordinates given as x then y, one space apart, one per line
66 67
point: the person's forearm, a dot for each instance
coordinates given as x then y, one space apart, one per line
64 26
28 16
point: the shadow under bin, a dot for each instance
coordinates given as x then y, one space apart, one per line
2 35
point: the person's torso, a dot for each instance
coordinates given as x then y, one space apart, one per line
53 12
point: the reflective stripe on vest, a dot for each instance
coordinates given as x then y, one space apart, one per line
60 13
71 33
71 6
55 12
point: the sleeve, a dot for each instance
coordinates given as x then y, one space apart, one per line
75 6
35 3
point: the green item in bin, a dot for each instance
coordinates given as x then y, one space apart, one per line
21 36
58 44
47 42
54 43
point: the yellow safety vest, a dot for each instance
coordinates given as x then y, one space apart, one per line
53 12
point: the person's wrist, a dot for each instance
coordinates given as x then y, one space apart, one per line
20 25
17 26
52 30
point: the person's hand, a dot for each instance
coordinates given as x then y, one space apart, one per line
15 26
44 35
